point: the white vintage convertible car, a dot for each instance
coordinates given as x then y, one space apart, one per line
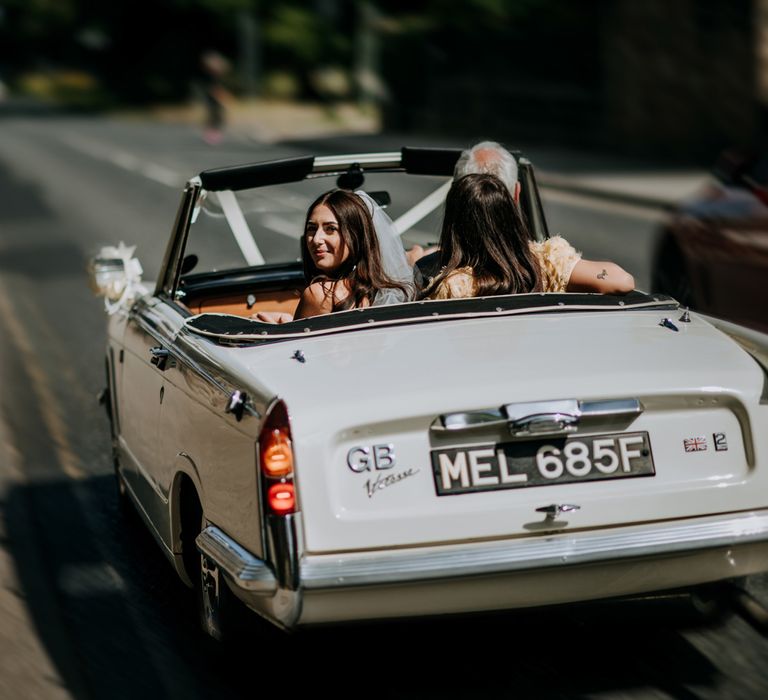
423 458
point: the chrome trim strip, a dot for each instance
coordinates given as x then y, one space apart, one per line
283 549
543 417
170 338
215 373
753 342
530 409
174 350
520 416
630 408
468 420
246 571
390 159
543 551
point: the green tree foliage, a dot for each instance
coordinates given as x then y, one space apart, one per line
299 34
139 51
149 50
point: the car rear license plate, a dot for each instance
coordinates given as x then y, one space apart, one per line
546 461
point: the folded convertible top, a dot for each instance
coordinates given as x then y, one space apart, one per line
231 328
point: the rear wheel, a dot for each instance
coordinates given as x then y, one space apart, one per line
220 614
218 609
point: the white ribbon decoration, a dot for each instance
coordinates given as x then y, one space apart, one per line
131 276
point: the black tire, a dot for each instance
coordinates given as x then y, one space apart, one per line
220 613
216 606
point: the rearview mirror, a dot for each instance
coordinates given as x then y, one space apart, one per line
381 198
189 263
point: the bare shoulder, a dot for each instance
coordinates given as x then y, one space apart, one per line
316 299
318 292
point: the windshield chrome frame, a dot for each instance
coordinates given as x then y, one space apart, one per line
322 166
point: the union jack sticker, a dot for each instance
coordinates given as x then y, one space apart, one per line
695 444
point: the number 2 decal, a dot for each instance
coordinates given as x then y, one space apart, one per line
721 443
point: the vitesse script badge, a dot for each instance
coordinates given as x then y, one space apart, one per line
695 444
379 460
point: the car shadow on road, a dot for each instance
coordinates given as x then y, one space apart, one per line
99 592
117 623
535 654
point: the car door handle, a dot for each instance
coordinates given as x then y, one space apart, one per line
159 357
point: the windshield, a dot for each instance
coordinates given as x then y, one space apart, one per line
232 230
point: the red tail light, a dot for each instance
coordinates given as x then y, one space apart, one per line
276 454
281 498
276 461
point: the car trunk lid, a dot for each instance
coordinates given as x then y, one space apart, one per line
371 413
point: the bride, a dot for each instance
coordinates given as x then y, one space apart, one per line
352 258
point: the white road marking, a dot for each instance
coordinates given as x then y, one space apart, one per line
126 161
165 176
169 178
596 203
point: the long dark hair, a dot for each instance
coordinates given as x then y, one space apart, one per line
362 269
484 229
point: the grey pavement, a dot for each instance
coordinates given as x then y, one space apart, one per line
643 181
26 668
346 128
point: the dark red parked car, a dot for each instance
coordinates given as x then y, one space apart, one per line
713 252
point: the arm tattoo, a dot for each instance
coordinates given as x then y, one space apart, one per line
602 275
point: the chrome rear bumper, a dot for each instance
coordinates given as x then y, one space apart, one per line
244 569
538 553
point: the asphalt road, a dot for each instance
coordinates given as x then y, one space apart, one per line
89 607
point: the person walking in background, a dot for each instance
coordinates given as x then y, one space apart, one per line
214 68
